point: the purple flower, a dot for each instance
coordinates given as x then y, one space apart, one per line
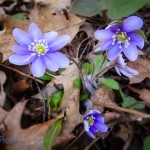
122 37
121 68
41 50
93 123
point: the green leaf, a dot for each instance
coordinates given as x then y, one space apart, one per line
85 7
77 83
19 16
98 60
142 34
87 68
46 77
146 145
129 101
111 84
83 96
56 100
51 134
118 9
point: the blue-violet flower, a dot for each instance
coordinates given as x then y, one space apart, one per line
121 68
122 37
93 123
41 50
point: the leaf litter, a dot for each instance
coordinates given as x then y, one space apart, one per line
54 16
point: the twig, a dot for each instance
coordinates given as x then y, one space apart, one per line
74 140
77 55
91 144
118 108
79 67
43 100
23 74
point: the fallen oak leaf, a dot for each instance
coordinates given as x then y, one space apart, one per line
30 138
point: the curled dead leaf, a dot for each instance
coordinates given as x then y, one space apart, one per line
30 138
143 67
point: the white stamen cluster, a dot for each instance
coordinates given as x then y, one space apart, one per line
39 47
121 37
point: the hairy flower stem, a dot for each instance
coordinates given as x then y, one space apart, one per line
102 70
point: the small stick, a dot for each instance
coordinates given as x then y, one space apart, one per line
43 100
19 72
74 140
118 108
91 144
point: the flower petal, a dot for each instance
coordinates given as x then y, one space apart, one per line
132 23
137 39
92 112
107 45
61 60
21 49
114 52
120 61
114 28
130 70
50 63
91 134
59 42
21 37
20 60
34 32
98 48
126 73
38 68
118 70
93 129
101 127
99 119
103 35
131 52
86 125
50 36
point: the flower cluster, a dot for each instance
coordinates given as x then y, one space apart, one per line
122 37
41 50
93 123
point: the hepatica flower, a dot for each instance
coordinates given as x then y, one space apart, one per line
121 68
93 123
41 50
122 37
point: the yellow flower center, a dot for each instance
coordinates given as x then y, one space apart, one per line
90 121
122 37
40 49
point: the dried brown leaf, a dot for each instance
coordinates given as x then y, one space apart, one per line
56 5
143 93
24 139
143 67
104 95
2 92
70 103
